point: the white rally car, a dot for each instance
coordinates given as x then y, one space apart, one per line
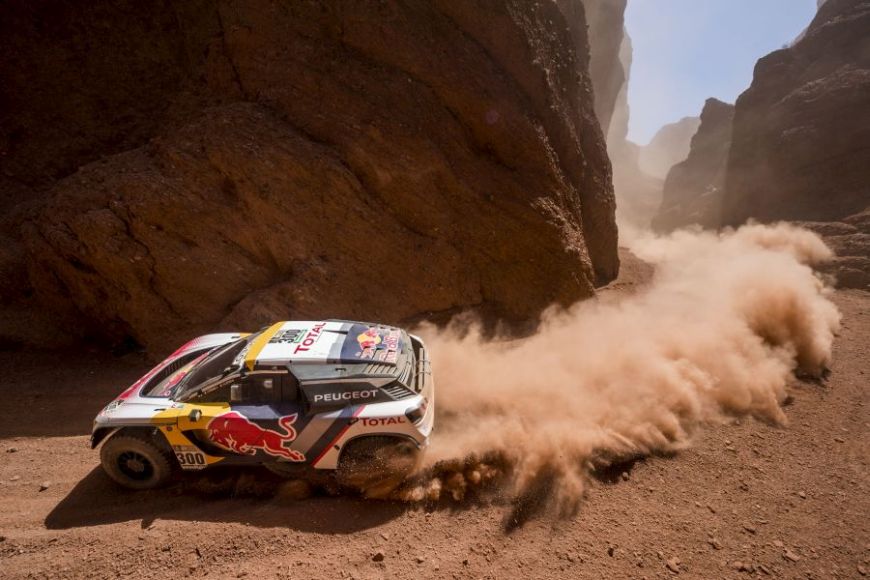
301 398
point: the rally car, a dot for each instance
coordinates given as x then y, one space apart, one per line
352 399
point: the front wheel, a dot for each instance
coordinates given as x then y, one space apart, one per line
135 462
377 465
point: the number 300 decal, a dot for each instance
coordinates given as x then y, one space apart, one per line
190 458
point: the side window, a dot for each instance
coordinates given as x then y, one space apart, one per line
261 389
219 395
254 390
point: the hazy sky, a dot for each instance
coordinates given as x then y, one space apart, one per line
688 50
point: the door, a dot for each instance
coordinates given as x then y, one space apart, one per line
263 420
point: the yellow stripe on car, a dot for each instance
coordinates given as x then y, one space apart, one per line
175 420
259 343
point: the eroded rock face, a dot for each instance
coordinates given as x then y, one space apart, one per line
617 134
364 160
692 192
669 146
606 20
801 142
638 194
850 240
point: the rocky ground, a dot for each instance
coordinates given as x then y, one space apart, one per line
747 500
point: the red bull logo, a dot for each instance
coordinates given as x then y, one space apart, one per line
235 432
369 339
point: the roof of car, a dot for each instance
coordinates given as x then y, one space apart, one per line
323 342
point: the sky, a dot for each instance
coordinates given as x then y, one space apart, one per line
686 51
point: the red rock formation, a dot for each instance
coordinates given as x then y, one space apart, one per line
366 160
801 144
850 240
669 146
693 189
638 194
606 20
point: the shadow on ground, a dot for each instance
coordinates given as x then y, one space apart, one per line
245 496
61 391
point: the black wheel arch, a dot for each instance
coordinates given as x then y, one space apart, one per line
100 434
150 433
357 438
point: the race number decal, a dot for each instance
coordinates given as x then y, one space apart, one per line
189 457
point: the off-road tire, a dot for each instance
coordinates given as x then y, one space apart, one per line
375 466
136 462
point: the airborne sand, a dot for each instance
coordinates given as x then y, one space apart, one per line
726 321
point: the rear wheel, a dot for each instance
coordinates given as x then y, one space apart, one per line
136 462
376 466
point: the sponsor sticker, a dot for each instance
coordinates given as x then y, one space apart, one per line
189 457
291 335
235 432
382 421
373 343
369 339
310 338
344 396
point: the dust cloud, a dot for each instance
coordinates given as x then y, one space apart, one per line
717 334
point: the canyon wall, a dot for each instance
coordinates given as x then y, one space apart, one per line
801 140
184 167
692 191
796 146
638 194
606 25
669 146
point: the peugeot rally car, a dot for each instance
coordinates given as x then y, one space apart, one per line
298 397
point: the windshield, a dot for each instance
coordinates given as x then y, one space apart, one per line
172 375
217 364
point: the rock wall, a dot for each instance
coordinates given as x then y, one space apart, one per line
617 133
692 192
638 194
850 240
606 19
231 163
801 143
801 139
669 146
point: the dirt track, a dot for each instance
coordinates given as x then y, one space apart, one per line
782 503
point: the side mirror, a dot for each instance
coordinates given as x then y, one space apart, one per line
235 393
195 415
